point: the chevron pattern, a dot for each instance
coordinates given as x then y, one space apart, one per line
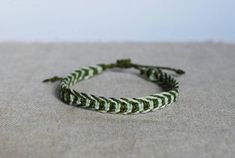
122 105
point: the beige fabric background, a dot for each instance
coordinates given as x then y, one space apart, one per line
34 123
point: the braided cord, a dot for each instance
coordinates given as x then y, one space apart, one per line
121 105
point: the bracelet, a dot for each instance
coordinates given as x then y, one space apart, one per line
121 105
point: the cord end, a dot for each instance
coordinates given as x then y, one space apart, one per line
180 72
46 80
53 79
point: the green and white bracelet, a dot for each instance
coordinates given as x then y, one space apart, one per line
121 105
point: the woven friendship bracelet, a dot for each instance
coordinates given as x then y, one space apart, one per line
122 105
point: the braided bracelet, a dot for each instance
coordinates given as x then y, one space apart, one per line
121 105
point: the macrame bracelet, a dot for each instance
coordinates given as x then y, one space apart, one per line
121 105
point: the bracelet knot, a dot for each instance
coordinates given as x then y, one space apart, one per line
124 63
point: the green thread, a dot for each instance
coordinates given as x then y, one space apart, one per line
121 105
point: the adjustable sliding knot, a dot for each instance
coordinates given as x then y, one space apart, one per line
122 105
124 63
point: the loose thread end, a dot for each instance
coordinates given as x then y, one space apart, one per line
53 79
